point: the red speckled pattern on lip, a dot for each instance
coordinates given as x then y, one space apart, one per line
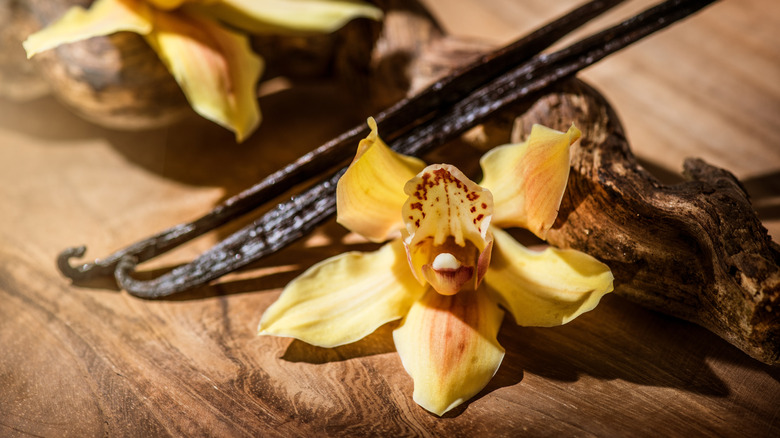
446 213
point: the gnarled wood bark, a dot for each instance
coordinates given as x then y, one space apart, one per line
694 250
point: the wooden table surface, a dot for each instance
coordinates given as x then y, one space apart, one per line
89 360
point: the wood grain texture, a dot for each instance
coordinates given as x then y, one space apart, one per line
90 361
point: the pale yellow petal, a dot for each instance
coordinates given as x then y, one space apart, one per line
528 179
546 288
445 212
167 4
370 195
104 17
214 66
448 345
293 16
344 298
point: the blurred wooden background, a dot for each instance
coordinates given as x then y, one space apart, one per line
90 361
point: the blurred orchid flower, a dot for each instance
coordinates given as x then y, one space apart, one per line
452 269
195 39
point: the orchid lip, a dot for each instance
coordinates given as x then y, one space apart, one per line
448 281
452 268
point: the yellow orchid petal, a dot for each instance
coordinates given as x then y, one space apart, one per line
292 16
344 298
448 345
446 213
104 17
370 194
528 179
215 68
546 288
167 4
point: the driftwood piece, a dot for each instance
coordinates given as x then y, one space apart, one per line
694 250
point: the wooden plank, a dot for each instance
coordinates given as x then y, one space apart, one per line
86 361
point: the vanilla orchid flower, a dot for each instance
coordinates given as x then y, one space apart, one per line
204 43
452 270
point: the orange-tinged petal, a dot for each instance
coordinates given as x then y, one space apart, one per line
528 179
290 16
214 66
448 345
370 195
344 298
104 17
446 213
546 288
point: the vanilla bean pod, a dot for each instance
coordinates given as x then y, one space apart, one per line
292 219
395 121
